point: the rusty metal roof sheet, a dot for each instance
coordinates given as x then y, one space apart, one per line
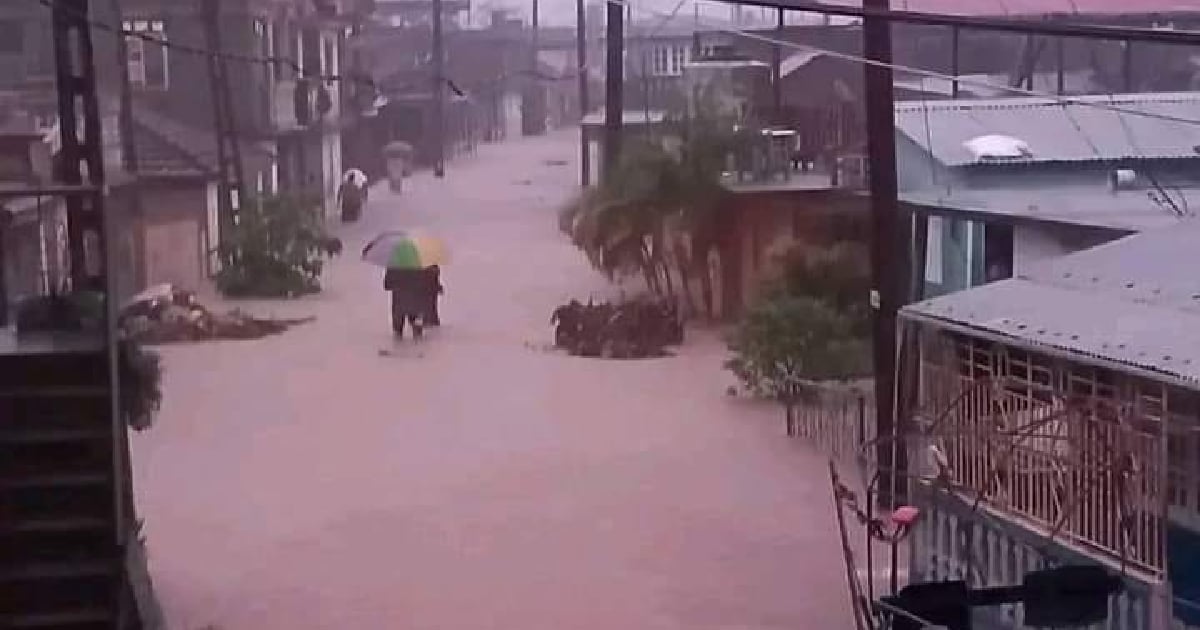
1039 7
1068 204
1134 302
1076 131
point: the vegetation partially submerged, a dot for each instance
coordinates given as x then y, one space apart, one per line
810 325
634 329
276 249
656 213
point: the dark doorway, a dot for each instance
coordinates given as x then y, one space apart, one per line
997 252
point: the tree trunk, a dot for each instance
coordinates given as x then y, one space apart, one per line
682 262
700 265
650 272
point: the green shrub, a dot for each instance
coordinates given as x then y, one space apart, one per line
277 249
785 343
839 275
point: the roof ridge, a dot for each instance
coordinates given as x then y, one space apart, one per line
188 156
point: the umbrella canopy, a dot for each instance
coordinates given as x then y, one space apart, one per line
405 250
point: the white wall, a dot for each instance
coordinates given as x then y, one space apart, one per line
1032 244
512 116
211 237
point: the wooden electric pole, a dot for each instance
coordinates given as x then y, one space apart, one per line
437 93
777 70
891 239
129 156
614 85
229 155
585 153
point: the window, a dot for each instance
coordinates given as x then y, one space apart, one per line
148 61
311 49
330 59
934 258
659 65
12 37
997 251
678 59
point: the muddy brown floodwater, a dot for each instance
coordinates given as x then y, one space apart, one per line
305 482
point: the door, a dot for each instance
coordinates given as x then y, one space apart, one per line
172 254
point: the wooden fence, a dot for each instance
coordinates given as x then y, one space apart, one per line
838 420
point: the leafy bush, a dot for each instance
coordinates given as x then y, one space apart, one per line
838 275
277 249
140 378
785 343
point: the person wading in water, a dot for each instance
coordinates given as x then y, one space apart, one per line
410 300
352 193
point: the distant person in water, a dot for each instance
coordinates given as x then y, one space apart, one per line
352 195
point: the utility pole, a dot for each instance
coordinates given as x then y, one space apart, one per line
891 238
585 153
129 157
81 163
535 115
614 85
229 155
438 93
777 70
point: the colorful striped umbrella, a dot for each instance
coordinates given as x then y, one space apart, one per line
405 250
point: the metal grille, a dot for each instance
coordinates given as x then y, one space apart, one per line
1075 451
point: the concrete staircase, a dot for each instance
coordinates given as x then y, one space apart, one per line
61 560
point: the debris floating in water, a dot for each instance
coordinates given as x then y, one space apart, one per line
167 314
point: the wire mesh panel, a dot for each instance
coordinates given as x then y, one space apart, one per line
1074 451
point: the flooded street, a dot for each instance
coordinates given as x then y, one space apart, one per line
477 481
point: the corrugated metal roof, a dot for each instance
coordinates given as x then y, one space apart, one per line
980 85
1056 132
1037 7
168 147
1133 302
1089 206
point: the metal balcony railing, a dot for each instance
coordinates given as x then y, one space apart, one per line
304 103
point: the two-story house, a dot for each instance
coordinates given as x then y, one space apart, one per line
656 55
288 104
1005 183
1056 423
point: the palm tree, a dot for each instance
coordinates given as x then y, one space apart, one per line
620 224
659 208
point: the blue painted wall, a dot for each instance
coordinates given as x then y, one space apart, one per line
951 542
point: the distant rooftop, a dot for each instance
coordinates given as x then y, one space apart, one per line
1038 7
992 85
1076 131
170 148
1076 205
1141 296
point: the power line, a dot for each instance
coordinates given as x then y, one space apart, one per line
934 74
197 50
272 59
801 5
1012 25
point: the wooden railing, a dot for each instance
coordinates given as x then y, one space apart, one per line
838 420
1084 469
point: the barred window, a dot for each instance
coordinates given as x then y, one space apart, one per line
148 61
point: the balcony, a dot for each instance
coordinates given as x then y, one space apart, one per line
297 105
767 159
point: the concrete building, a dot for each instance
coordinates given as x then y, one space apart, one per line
1006 183
1083 367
